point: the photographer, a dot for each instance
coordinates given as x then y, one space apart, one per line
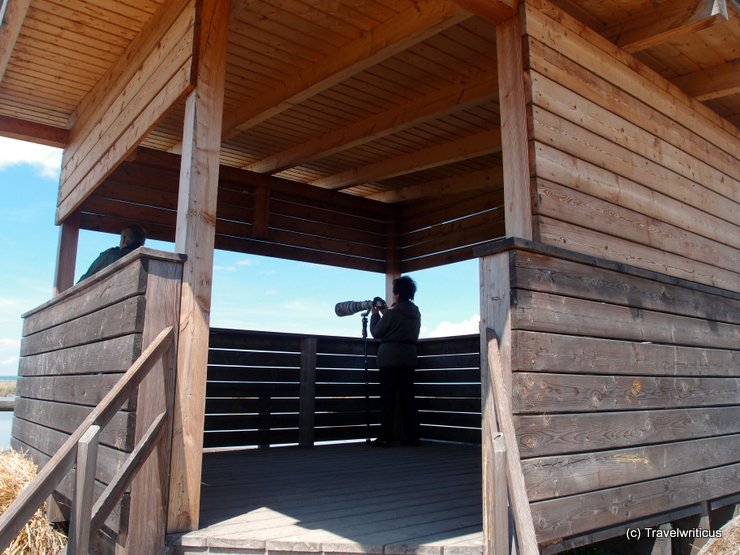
397 328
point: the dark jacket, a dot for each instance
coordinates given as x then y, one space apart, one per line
398 332
106 258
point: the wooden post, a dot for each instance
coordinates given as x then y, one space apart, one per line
69 232
149 489
195 237
307 418
495 298
87 459
515 144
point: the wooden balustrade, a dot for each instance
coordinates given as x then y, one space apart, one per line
274 388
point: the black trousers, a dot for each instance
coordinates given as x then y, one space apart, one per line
398 381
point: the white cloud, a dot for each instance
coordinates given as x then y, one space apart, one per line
247 262
448 329
47 160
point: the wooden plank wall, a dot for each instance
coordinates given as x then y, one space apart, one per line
625 391
447 229
627 167
267 389
73 350
256 214
154 73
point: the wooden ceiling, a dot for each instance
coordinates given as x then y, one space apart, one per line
395 101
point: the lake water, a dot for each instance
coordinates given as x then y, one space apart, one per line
6 425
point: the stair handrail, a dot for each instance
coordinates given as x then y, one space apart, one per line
41 487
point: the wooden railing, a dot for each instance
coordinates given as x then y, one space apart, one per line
269 389
81 447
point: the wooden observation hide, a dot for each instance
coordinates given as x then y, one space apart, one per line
586 152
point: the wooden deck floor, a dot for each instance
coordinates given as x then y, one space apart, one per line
349 498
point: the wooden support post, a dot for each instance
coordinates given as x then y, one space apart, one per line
495 314
307 402
87 459
195 237
69 232
514 130
149 489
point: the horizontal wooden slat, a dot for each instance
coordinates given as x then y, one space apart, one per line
118 433
577 433
551 313
85 390
235 422
447 390
450 419
48 441
129 281
123 318
110 356
563 517
459 435
556 201
594 243
555 275
229 439
241 405
549 352
553 393
563 475
232 389
253 358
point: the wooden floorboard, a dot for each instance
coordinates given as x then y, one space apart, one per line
347 498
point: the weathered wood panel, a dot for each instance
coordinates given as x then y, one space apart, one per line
625 389
74 350
108 356
653 183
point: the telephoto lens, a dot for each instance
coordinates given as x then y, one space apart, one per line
348 308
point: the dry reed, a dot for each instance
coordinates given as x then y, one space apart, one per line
7 389
728 543
38 537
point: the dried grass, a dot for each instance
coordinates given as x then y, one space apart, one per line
728 543
7 389
38 537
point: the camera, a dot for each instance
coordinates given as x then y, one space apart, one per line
347 308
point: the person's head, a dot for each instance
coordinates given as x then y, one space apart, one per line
133 236
405 288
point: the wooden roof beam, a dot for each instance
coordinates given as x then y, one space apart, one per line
487 142
12 15
425 19
494 11
33 132
660 26
440 103
484 179
713 82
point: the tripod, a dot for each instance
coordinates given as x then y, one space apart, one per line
367 377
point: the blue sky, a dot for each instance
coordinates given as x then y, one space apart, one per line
249 292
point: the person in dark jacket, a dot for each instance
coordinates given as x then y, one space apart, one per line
397 327
132 238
